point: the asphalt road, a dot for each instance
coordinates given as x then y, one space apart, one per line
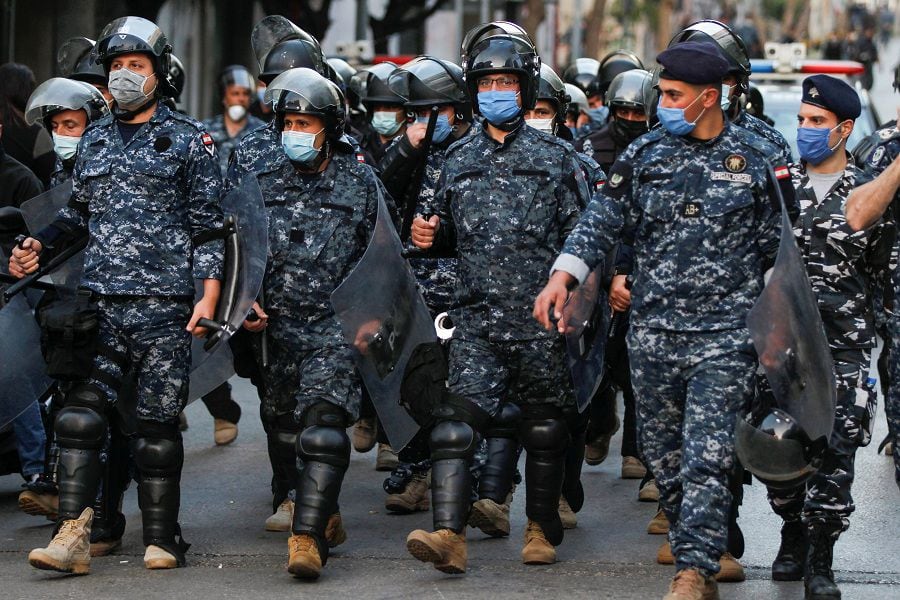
226 500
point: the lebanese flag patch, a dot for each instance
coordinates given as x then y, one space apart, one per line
782 172
208 144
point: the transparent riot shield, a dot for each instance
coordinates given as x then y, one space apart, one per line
39 212
384 318
586 318
789 337
23 377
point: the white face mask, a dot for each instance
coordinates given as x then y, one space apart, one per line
236 112
65 146
127 88
545 125
725 99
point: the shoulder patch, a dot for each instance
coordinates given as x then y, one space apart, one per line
208 144
360 158
877 155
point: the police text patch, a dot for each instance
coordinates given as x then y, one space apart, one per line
732 177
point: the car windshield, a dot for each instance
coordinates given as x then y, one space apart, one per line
782 104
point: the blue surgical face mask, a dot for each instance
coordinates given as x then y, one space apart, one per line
499 106
574 131
673 118
599 115
65 146
300 146
442 127
385 122
812 143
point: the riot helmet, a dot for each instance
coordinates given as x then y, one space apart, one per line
583 74
578 101
237 75
130 35
731 44
305 91
481 32
280 45
76 60
58 94
492 53
427 81
378 89
618 61
631 89
552 89
775 448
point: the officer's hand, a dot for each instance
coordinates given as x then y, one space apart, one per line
423 231
25 259
619 294
204 309
553 296
415 133
260 323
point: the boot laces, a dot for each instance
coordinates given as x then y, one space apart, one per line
685 581
533 530
68 534
303 543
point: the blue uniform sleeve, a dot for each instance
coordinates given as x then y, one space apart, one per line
205 213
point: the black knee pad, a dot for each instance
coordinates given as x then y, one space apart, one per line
329 445
452 439
80 427
506 423
544 436
158 457
325 414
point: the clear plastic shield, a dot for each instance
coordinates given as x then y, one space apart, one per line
23 376
586 318
39 212
789 337
384 318
57 94
273 30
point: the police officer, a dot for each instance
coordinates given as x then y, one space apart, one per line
410 170
696 191
576 110
387 117
145 183
76 61
321 203
236 87
279 45
842 271
507 198
583 75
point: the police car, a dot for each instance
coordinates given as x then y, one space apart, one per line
779 76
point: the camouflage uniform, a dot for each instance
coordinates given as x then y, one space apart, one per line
319 227
62 172
886 152
142 203
502 209
225 144
782 152
842 265
705 229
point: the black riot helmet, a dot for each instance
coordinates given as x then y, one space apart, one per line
238 75
775 448
130 35
60 93
176 77
76 60
618 61
306 91
344 69
577 102
733 48
356 90
280 45
552 89
630 89
378 89
583 74
426 81
493 49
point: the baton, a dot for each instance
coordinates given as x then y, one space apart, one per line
56 262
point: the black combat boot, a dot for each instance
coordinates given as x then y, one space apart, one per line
790 563
819 578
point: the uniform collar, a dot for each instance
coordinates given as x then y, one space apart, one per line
507 141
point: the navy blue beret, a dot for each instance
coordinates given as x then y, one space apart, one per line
693 62
832 94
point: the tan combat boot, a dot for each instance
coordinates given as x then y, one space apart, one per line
689 584
596 451
69 550
537 550
413 498
224 432
490 517
648 492
730 570
566 514
387 459
281 519
363 434
37 504
304 561
156 558
664 554
335 535
633 468
659 524
443 548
